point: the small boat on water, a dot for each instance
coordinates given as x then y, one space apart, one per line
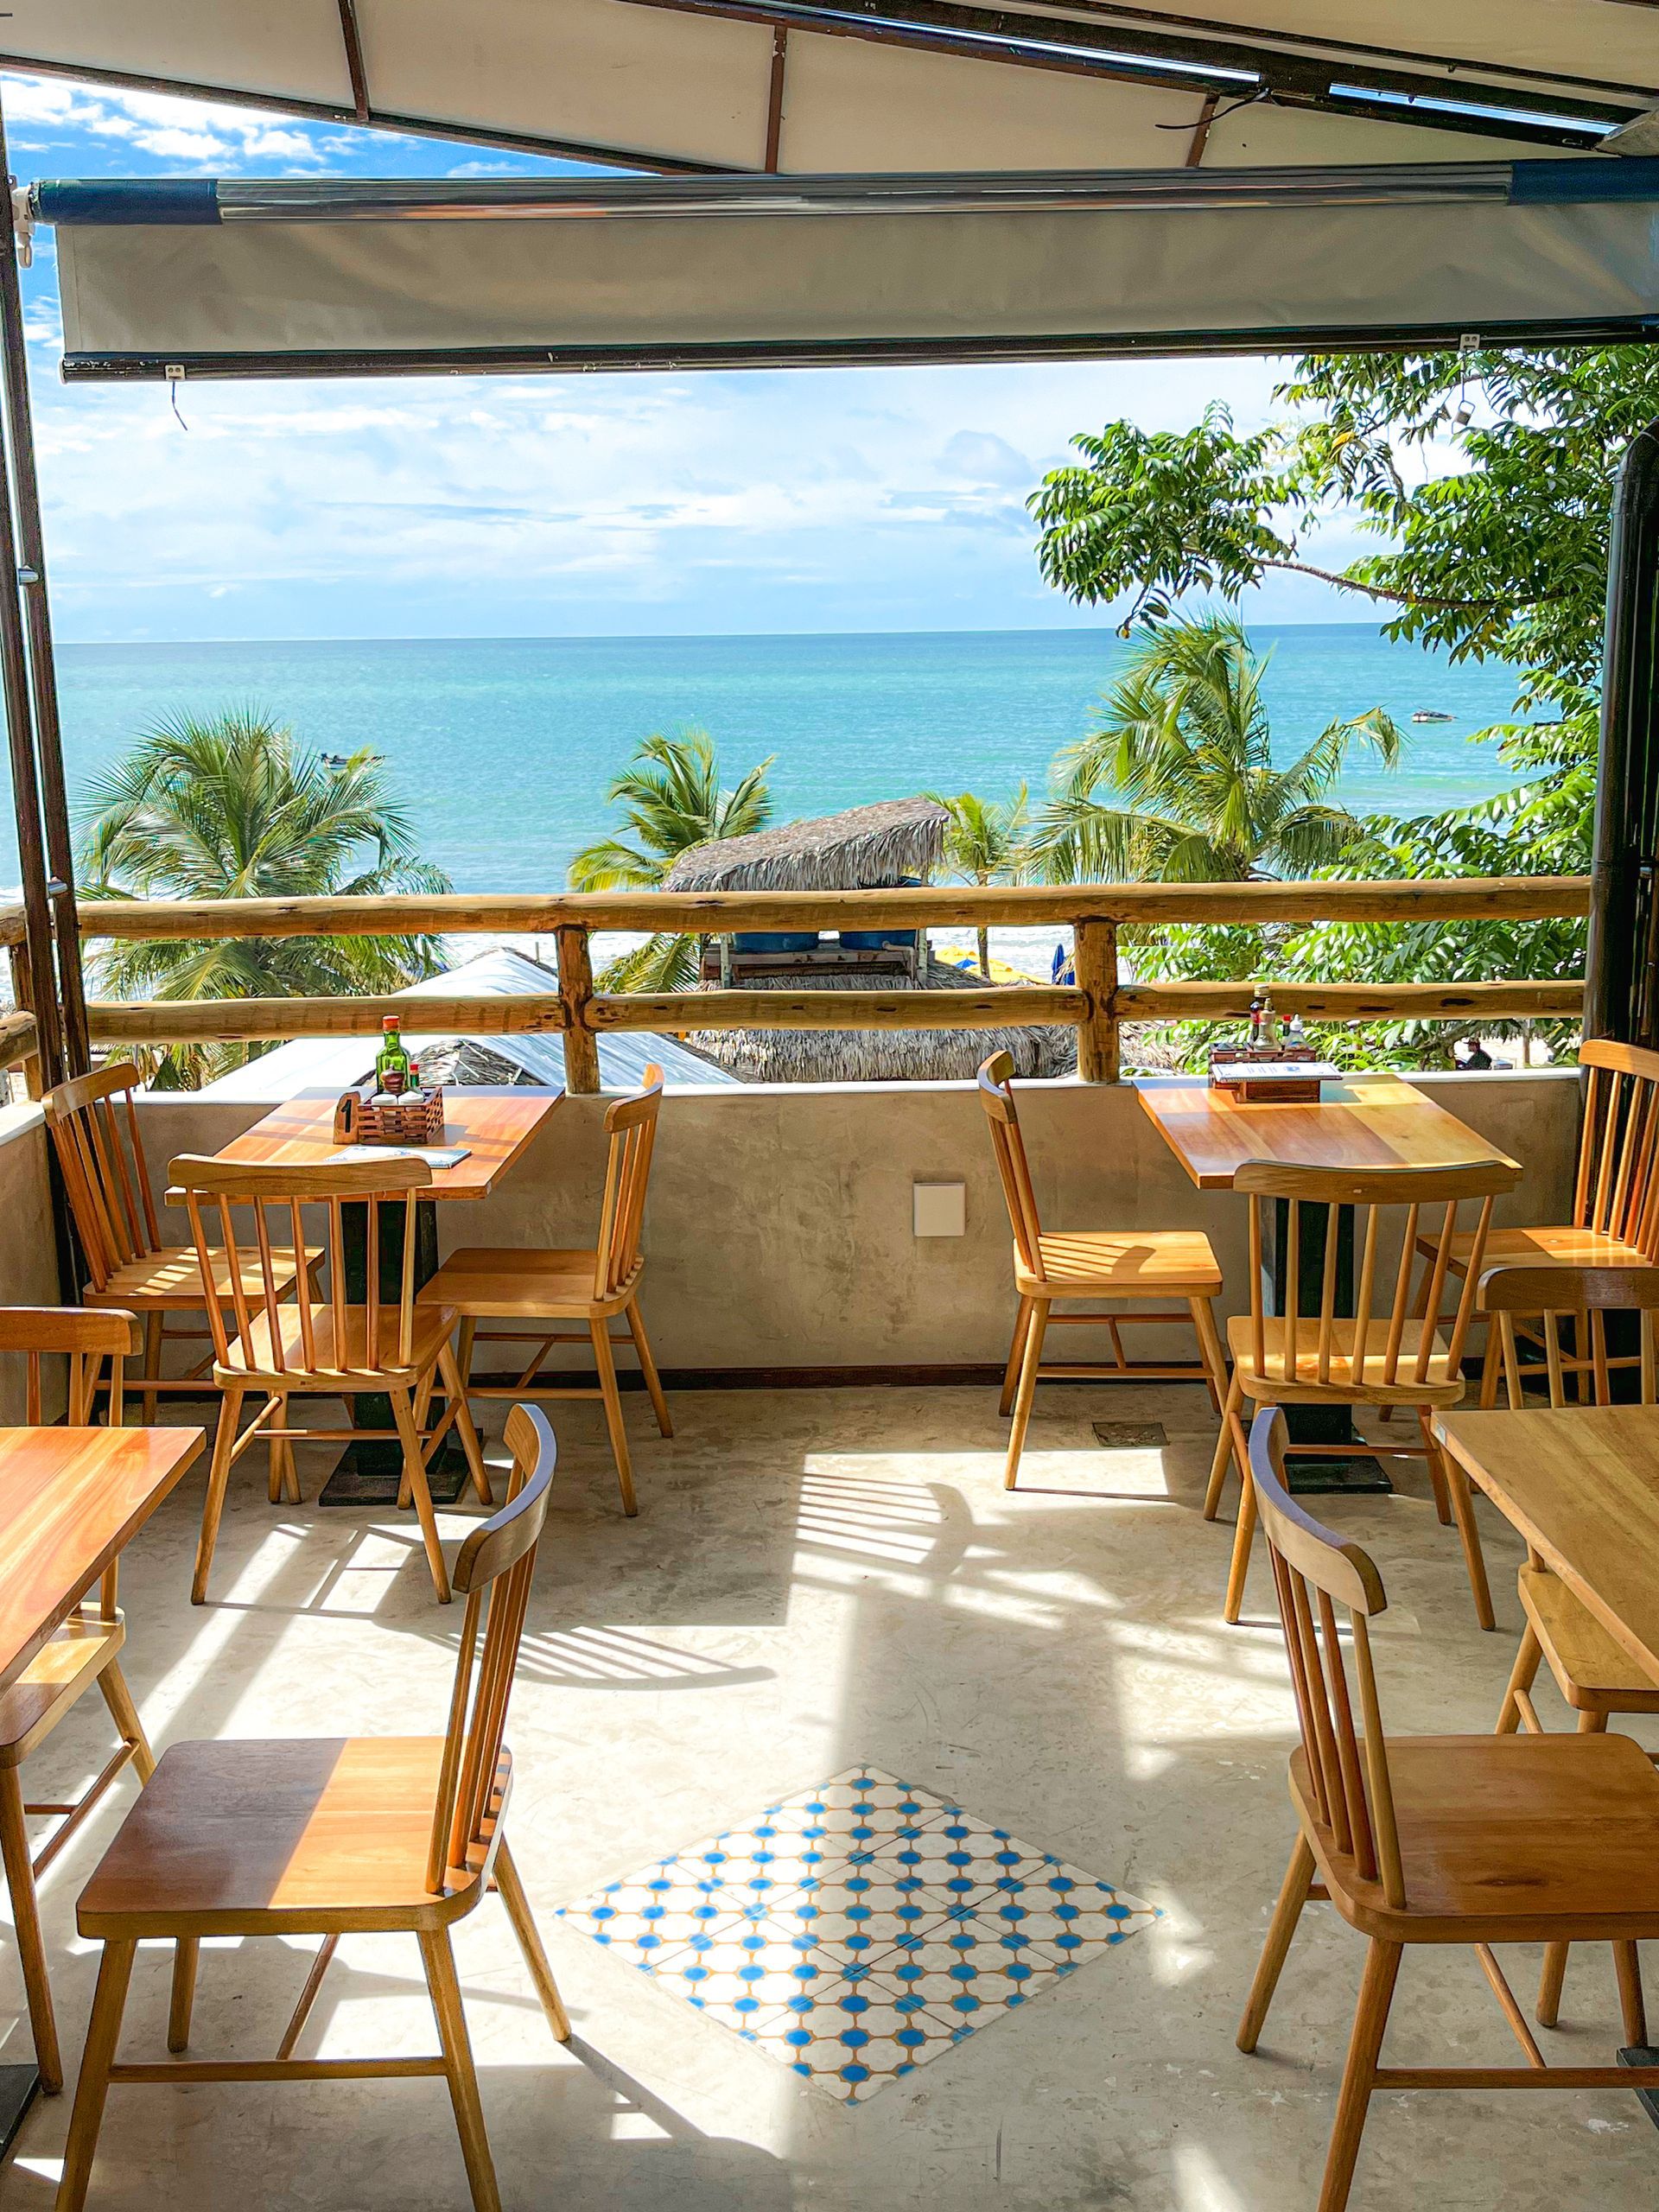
1431 715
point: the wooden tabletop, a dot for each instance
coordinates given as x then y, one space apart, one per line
494 1125
1582 1484
70 1499
1370 1121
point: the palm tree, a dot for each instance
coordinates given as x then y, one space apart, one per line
230 807
1177 780
985 843
672 799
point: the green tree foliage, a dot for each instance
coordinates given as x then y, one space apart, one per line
230 807
985 843
1177 781
1486 481
671 800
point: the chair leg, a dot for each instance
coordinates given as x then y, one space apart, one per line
1592 1724
445 1991
1370 2020
1292 1897
1522 1675
1463 1510
153 1323
1224 1450
124 1713
1210 1351
219 1475
186 1952
1549 1984
605 1360
402 1413
1243 1538
1016 1356
464 1422
530 1943
648 1366
1031 1359
282 1480
26 1918
102 2034
1627 1961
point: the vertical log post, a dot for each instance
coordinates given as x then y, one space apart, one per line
575 989
1095 965
23 997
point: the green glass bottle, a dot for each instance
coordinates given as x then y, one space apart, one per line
392 1062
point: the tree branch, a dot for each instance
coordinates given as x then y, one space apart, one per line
1383 591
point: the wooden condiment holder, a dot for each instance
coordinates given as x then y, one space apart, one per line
358 1120
1230 1067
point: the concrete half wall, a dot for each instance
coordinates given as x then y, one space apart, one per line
778 1232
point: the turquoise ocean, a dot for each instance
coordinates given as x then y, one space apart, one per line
502 748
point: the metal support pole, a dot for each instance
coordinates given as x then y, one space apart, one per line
1621 996
26 554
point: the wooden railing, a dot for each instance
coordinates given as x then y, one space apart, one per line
1095 1006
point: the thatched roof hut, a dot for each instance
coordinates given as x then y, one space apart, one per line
864 849
867 848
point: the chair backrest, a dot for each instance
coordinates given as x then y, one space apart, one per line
87 1337
494 1571
1313 1573
1617 1190
213 1188
1546 1293
631 1126
996 1096
1382 1322
94 1125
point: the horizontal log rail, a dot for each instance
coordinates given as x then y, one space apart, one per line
1095 1006
1516 898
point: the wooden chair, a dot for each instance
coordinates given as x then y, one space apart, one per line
1615 1191
85 1650
95 1130
592 1287
1476 1840
278 1342
1381 1356
1052 1267
330 1837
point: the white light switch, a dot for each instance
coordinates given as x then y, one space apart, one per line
939 1209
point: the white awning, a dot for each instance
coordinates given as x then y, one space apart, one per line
190 277
902 86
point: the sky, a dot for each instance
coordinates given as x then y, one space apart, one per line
782 501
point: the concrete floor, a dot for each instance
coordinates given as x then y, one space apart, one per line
817 1578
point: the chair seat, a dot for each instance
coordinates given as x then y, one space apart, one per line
31 1707
1560 1246
1594 1673
1112 1262
168 1280
502 1283
1344 1382
335 1363
1508 1839
295 1837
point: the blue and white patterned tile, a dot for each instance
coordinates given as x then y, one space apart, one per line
1067 1912
739 1976
965 1972
965 1858
853 2038
648 1917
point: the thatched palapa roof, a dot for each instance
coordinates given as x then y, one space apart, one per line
864 849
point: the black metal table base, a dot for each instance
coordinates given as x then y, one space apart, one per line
1643 2054
19 2086
372 1473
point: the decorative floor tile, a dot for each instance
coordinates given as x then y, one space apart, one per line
857 1931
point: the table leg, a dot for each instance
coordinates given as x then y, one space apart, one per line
1332 1425
371 1474
19 2086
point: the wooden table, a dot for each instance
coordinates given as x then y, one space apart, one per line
71 1499
1370 1121
495 1125
1582 1483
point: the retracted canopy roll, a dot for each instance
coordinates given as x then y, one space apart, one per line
198 278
